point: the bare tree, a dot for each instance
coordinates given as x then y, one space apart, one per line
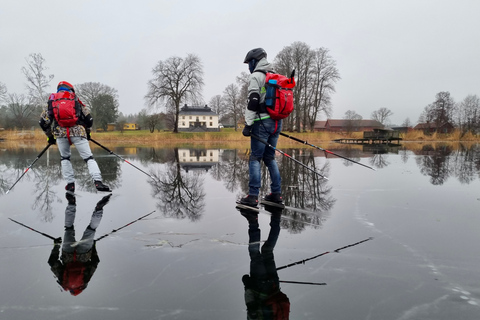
216 105
174 81
323 77
353 122
3 92
89 91
407 123
21 109
232 103
352 115
315 76
468 115
297 56
439 112
37 81
382 115
102 101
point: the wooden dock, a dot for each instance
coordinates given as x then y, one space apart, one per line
378 136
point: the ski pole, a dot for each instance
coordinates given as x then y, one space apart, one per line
288 156
322 254
115 230
111 152
327 151
301 282
43 234
38 157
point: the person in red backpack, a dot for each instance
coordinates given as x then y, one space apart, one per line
67 120
259 123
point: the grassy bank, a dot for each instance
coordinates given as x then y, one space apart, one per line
225 137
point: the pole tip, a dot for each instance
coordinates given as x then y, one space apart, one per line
7 192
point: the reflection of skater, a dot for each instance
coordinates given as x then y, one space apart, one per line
78 260
263 297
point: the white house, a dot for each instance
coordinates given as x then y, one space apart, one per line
198 159
193 118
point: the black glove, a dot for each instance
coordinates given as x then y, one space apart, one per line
88 134
57 241
52 140
247 131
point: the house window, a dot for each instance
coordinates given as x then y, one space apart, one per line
211 124
190 117
203 117
210 118
183 123
183 117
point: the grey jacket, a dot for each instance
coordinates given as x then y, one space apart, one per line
256 83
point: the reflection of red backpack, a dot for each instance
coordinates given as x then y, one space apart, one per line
280 305
279 96
74 277
64 110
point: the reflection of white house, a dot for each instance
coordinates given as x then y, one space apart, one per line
197 119
198 159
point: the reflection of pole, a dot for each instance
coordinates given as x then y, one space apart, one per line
288 156
43 234
115 230
38 157
111 152
322 254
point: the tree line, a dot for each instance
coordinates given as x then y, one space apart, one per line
177 81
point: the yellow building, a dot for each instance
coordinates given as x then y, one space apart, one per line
130 126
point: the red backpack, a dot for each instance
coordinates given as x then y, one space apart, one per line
64 109
279 97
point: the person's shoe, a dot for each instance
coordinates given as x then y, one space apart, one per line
251 201
70 198
101 187
70 187
274 197
102 203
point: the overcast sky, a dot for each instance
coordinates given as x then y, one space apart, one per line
393 54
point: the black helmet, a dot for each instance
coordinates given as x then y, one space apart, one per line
256 54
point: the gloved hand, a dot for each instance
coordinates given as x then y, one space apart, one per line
52 140
247 131
89 137
57 241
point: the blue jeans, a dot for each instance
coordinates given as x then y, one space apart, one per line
268 130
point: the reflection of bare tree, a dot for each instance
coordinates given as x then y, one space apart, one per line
5 181
379 161
232 169
180 193
435 163
110 167
45 179
303 189
465 162
404 154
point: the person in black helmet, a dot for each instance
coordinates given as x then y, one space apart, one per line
259 123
